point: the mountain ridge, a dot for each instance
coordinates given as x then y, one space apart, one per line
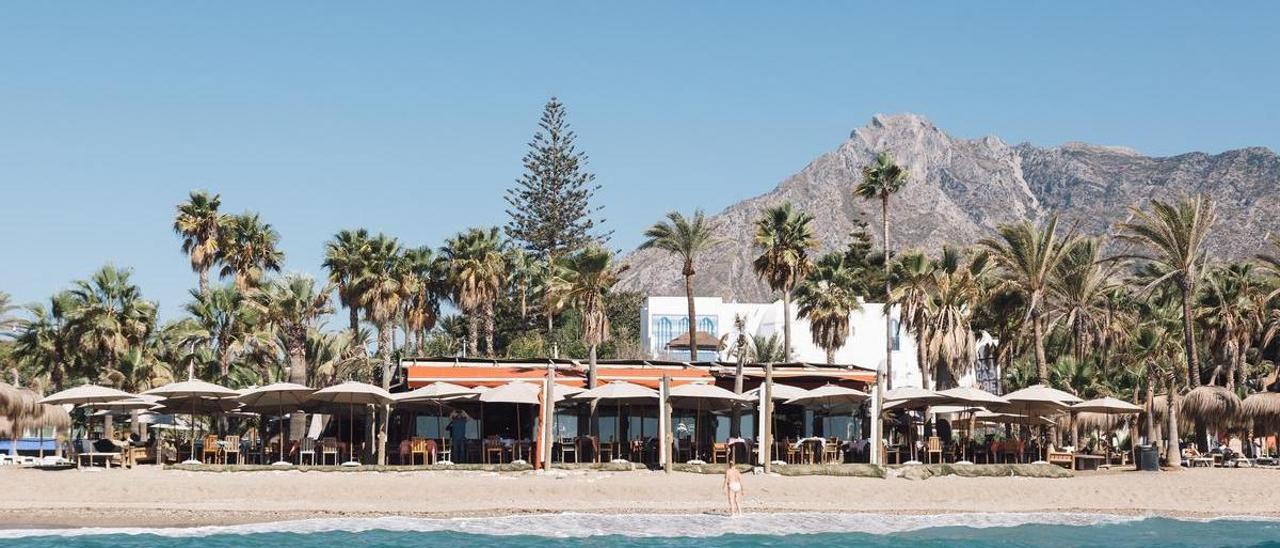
961 189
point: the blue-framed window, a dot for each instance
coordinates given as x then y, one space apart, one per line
896 333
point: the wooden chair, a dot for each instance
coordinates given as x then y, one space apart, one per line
329 448
684 450
568 445
831 452
493 446
209 453
232 448
418 446
933 446
307 449
603 449
793 453
719 451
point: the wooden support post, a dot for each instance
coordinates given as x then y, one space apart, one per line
664 424
766 419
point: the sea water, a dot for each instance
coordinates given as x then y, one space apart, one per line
1054 530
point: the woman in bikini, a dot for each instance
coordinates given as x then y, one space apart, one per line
733 488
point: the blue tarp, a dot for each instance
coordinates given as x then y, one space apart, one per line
28 445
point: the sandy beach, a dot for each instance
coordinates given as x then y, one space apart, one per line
149 496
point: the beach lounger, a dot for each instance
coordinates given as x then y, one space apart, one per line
1237 450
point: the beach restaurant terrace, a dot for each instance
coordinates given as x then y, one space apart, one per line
627 426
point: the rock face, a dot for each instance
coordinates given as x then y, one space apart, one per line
961 189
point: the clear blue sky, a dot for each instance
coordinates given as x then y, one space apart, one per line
411 118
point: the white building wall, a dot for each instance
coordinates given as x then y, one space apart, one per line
864 347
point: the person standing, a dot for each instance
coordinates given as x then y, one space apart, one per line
733 488
458 435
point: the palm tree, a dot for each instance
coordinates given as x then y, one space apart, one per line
766 349
425 275
956 292
827 297
109 316
8 322
686 239
476 271
524 270
1229 312
292 305
198 222
785 237
1174 235
1028 255
883 179
381 286
1078 294
342 258
587 278
912 280
247 249
44 340
228 326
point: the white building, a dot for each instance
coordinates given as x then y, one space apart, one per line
665 318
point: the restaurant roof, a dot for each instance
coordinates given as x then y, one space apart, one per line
493 372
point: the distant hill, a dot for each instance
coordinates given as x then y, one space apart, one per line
961 189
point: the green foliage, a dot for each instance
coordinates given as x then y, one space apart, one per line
550 206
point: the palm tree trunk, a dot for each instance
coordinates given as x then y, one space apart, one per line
297 375
1173 453
524 299
204 281
1188 336
591 371
735 420
488 329
1240 359
1042 364
786 326
693 318
831 356
922 361
384 353
473 333
888 290
1149 432
353 316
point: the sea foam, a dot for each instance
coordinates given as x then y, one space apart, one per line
582 525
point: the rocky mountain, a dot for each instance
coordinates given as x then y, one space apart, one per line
961 189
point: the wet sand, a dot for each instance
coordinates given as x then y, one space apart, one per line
153 497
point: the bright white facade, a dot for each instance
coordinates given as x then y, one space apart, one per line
664 318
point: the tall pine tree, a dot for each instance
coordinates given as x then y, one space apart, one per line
550 205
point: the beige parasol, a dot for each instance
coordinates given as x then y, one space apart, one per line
276 397
351 394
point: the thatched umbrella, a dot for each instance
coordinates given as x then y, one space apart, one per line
1212 405
1263 409
49 416
20 406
